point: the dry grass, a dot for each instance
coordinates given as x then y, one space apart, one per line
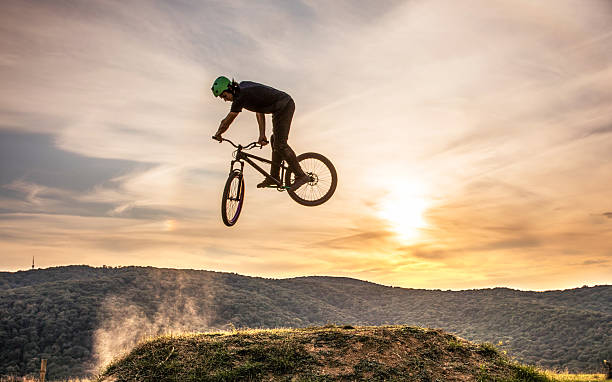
566 377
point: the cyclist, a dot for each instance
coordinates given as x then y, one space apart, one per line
263 99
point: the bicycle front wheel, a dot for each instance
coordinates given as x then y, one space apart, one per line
322 184
233 197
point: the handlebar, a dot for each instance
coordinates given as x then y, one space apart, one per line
238 146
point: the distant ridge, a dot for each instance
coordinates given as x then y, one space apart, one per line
76 315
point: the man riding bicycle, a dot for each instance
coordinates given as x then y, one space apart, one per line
262 100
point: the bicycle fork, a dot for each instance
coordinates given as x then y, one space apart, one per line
240 183
233 163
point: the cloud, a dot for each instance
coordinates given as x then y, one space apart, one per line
596 262
515 243
33 157
358 241
37 177
601 130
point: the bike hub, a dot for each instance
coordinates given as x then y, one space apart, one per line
314 179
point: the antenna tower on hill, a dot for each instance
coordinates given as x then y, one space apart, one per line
32 262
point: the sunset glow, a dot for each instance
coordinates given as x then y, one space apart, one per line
404 208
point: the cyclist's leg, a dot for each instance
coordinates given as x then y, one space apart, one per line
276 160
281 124
274 167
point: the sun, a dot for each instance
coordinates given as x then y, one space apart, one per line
404 208
169 225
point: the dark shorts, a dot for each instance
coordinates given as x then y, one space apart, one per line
281 123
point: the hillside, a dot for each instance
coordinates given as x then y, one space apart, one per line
390 353
79 316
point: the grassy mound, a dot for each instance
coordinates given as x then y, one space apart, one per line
331 353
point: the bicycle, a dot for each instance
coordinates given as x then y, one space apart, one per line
319 189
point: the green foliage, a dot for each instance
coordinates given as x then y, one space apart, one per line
528 374
518 372
487 349
54 313
456 346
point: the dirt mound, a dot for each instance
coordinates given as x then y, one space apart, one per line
331 353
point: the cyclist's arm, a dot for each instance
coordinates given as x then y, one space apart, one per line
261 121
226 122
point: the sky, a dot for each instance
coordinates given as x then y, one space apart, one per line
472 139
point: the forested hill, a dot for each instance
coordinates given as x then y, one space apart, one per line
78 316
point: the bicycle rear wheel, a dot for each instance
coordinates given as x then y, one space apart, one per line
233 197
322 184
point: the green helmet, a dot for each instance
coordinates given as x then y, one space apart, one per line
220 85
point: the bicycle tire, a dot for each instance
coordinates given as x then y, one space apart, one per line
322 186
233 198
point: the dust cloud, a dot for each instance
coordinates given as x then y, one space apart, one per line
171 304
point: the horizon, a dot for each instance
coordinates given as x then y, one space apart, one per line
104 266
472 140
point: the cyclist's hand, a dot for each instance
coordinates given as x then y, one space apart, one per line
217 137
262 140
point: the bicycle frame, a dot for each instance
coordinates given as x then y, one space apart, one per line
315 194
241 157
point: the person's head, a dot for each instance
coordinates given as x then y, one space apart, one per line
224 88
226 95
